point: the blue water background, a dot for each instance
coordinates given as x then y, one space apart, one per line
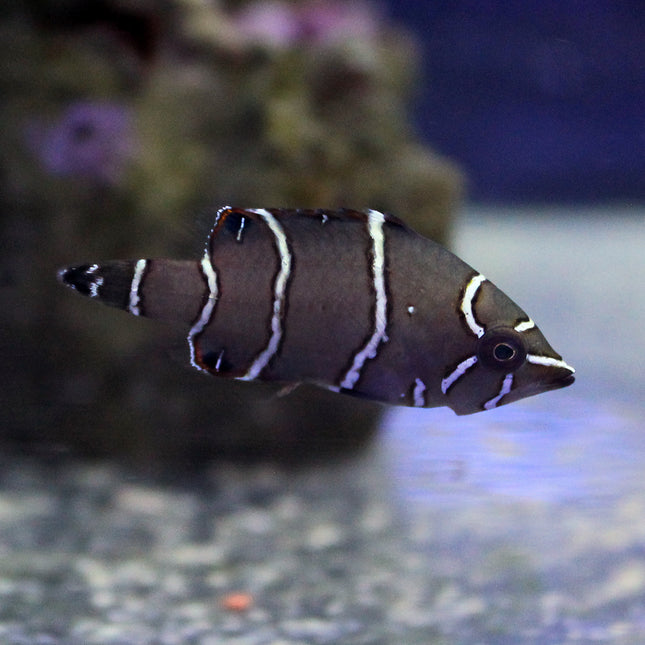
579 274
537 100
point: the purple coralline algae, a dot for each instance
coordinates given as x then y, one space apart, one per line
90 139
283 25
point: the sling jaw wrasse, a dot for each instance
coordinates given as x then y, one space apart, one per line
353 301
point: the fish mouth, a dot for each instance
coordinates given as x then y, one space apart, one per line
554 383
559 383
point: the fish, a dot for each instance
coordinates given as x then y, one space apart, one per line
353 301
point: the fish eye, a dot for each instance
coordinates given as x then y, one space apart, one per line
501 349
503 352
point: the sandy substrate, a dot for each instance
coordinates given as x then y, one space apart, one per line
522 525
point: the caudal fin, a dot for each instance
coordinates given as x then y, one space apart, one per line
112 283
171 290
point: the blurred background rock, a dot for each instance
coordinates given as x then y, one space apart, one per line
125 124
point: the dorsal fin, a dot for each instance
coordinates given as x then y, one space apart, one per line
235 220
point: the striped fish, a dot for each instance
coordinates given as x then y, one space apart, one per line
353 301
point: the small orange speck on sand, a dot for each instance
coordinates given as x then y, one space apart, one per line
237 601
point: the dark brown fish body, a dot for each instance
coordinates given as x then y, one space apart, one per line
352 301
